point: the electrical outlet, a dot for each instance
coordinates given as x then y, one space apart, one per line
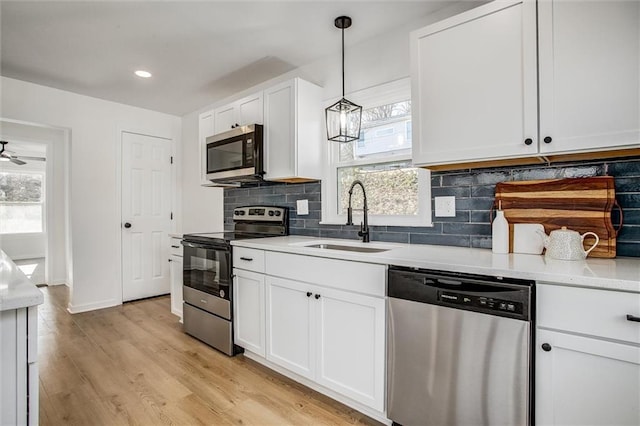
445 206
302 207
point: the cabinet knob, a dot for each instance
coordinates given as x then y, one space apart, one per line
528 141
546 347
308 294
317 296
170 260
547 139
127 225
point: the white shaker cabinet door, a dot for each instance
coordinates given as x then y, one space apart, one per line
224 118
474 85
249 311
175 270
585 381
250 110
589 75
290 325
351 340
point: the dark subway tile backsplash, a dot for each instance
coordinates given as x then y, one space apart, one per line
474 191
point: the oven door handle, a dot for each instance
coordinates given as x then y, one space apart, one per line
207 246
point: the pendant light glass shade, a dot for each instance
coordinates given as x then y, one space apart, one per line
343 121
344 117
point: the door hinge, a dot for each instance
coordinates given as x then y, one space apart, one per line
172 159
171 215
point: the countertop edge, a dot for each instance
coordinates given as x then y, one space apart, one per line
621 274
16 290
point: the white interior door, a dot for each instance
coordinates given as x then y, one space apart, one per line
146 215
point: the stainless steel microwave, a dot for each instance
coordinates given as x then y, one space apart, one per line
235 156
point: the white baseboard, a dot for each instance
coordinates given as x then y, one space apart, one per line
93 306
376 415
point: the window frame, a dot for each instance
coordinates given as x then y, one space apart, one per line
42 203
387 93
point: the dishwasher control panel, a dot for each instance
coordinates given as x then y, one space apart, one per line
482 302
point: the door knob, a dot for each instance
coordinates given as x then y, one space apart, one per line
127 225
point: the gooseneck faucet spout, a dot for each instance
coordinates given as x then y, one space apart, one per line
364 226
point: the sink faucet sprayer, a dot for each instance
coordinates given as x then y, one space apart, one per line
364 227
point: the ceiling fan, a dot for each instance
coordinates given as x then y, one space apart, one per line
16 159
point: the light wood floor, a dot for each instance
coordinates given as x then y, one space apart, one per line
132 364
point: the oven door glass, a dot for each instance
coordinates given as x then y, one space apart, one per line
207 268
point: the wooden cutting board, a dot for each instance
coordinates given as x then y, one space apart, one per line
580 204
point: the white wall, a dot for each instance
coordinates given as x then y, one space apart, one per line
373 62
201 206
94 126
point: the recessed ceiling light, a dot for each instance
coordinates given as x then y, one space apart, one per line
143 74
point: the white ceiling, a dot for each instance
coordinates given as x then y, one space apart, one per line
198 52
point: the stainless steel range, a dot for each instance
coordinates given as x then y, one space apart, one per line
207 273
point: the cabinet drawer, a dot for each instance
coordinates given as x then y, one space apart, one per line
601 313
248 259
366 278
175 248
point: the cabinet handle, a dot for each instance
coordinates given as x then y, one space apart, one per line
172 261
547 139
248 259
308 294
317 296
546 347
528 141
175 246
633 318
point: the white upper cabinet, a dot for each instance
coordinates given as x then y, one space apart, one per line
205 129
293 129
473 82
248 110
589 75
482 93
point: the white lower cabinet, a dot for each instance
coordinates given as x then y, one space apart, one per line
586 381
19 366
350 335
175 272
587 357
249 307
333 337
320 319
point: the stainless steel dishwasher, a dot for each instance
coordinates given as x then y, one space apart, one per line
459 349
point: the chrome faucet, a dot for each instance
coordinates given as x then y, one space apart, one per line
364 226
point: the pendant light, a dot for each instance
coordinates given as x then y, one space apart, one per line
344 117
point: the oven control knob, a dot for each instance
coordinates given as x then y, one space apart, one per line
222 293
271 213
237 212
278 213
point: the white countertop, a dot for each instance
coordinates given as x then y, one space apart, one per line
615 274
16 291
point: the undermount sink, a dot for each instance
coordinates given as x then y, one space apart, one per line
348 248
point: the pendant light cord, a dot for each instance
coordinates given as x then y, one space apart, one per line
343 62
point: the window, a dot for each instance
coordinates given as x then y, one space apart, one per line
21 202
397 193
